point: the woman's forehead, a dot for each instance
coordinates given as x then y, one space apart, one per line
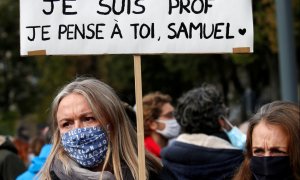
269 134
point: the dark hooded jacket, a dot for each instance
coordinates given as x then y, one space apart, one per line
194 162
10 163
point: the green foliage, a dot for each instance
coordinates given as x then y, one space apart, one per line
28 84
17 79
8 122
118 72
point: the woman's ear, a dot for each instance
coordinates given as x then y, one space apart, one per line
153 125
221 122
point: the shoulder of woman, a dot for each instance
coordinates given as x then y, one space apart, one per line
164 174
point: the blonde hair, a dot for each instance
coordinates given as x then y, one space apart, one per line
105 105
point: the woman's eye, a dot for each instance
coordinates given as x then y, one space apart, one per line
258 151
89 118
66 124
277 151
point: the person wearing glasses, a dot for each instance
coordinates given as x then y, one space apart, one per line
160 124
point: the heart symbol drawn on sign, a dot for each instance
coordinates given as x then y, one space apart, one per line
242 31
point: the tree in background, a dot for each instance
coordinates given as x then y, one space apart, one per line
27 84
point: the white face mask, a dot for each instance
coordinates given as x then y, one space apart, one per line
171 129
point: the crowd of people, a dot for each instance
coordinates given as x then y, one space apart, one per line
94 136
22 157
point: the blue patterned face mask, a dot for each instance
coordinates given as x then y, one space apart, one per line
87 146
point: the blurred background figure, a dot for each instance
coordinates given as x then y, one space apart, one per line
35 145
203 150
160 124
273 150
21 142
130 111
40 148
11 164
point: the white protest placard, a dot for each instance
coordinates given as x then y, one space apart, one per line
73 27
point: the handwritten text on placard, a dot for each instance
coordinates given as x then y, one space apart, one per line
135 26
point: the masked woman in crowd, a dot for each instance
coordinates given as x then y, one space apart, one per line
273 150
160 125
93 137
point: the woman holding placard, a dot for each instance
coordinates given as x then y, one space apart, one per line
93 137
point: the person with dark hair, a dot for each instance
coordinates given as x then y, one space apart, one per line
203 150
130 113
39 160
272 147
160 124
35 145
22 144
11 164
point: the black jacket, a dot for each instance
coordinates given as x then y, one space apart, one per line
10 164
191 162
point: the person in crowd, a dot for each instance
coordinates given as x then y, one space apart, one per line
130 113
93 137
160 124
41 154
11 164
272 147
36 164
35 145
22 144
203 150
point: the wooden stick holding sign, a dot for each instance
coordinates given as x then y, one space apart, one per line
139 113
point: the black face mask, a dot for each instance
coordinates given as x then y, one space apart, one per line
271 168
